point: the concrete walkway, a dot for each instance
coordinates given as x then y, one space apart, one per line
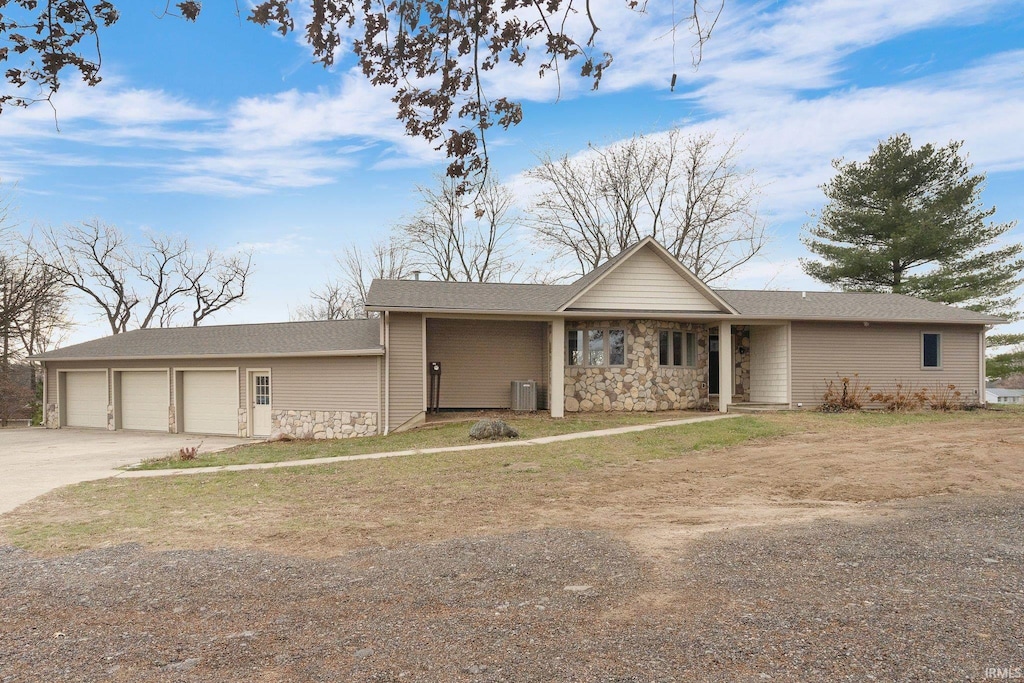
131 474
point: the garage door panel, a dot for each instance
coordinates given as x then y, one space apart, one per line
210 402
86 399
144 400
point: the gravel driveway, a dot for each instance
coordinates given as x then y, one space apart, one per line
930 589
36 460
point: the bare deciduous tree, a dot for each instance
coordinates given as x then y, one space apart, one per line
689 192
32 306
345 298
332 301
458 237
143 286
32 317
386 259
216 281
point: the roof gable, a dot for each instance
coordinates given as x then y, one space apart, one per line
646 278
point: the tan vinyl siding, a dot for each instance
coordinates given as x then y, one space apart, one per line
644 282
406 367
881 353
480 358
324 383
321 383
769 358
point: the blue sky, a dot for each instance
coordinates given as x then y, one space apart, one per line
229 134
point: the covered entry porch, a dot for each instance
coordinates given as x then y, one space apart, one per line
653 364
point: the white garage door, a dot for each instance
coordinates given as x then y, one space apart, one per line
144 400
86 399
211 402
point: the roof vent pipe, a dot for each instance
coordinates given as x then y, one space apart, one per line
803 295
415 275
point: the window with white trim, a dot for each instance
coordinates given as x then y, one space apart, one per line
931 350
596 347
675 347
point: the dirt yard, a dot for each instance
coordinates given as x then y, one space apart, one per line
653 489
821 548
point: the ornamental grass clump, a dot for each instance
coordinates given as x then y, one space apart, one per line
900 399
847 395
945 398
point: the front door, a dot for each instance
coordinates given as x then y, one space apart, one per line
713 364
261 404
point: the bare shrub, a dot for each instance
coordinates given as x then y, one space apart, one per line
849 394
189 452
945 397
900 398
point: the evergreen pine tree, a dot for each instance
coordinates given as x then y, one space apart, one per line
910 221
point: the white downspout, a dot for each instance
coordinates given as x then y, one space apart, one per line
387 372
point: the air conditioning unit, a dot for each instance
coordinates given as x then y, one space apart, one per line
524 395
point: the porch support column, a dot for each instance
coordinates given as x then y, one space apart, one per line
556 384
725 381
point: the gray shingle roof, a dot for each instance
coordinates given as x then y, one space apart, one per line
468 296
270 339
511 298
848 305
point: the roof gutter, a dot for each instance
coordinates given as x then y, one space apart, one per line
738 318
202 356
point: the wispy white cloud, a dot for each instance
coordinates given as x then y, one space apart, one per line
773 71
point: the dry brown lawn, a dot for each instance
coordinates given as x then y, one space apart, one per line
655 489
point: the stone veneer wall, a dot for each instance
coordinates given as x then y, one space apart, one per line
640 385
323 424
741 357
52 417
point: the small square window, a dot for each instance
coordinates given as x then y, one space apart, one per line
931 350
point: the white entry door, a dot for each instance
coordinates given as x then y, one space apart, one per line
261 404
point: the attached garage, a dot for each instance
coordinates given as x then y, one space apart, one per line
210 401
144 400
310 380
85 399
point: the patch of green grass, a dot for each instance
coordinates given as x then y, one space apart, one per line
294 503
428 436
